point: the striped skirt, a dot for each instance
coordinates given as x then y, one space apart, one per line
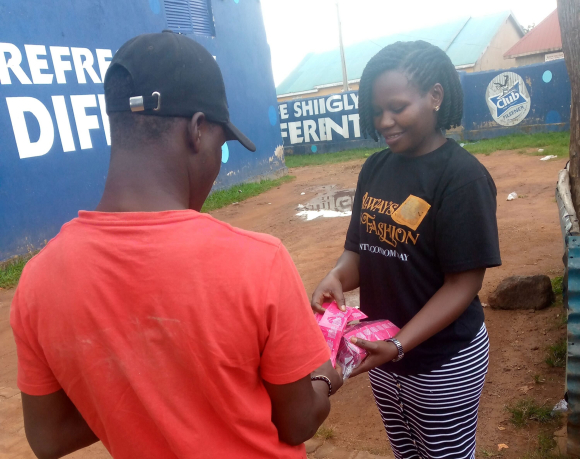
434 415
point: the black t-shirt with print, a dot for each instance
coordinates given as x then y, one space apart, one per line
413 220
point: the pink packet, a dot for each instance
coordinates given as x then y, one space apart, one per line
332 324
349 355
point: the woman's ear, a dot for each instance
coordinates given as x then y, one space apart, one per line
437 93
194 131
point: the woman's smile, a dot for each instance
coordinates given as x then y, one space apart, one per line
393 139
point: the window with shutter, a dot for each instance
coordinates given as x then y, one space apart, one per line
202 17
178 14
190 16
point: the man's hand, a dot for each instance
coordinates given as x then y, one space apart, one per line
329 289
299 408
378 353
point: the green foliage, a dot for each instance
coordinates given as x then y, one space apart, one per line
528 410
553 143
11 271
328 158
325 432
546 443
563 318
545 448
557 285
557 354
238 193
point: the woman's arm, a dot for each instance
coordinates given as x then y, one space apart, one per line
344 277
448 303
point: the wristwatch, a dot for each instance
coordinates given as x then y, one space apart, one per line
395 341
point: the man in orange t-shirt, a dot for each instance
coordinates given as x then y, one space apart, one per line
154 328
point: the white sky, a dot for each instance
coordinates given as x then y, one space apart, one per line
297 27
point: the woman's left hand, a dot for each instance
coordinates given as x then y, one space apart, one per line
378 353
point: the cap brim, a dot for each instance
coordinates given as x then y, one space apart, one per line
233 133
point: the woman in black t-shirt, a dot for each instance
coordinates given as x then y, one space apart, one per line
422 233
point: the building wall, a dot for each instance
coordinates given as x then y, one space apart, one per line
531 59
64 166
321 92
548 98
322 124
492 59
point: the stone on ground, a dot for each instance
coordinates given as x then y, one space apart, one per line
523 292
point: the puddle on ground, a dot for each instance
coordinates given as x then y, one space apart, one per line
332 202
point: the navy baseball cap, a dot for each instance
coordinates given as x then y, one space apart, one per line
173 75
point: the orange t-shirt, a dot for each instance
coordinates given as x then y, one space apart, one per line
161 327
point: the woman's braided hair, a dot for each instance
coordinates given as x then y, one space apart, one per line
425 65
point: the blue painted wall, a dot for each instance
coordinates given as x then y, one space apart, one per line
547 84
322 124
38 194
550 96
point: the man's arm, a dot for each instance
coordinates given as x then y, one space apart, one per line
299 408
53 425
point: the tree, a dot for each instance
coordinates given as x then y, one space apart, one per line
569 16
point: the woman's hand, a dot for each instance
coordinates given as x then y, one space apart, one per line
378 353
329 289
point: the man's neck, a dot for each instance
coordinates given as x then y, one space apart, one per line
143 186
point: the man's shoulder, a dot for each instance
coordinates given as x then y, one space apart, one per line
238 237
49 251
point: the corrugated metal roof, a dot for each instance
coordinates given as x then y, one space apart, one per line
465 40
475 38
545 37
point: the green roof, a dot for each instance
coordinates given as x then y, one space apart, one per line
464 40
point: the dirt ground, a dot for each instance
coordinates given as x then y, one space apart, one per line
531 243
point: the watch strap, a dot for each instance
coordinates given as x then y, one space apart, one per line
396 342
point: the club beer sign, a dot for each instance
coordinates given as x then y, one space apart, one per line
333 118
508 99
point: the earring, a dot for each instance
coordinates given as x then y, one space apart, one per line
437 108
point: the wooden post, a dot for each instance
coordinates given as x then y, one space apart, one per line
569 16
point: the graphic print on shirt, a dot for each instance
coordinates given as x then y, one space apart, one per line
410 214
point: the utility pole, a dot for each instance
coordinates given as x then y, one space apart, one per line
343 61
